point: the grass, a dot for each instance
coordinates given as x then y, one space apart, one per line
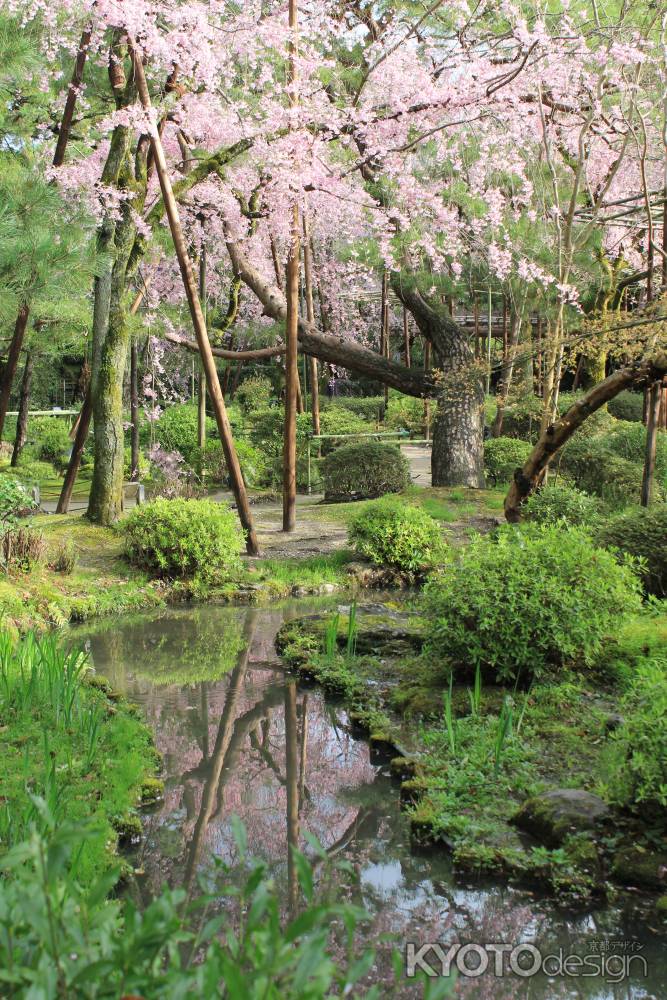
69 752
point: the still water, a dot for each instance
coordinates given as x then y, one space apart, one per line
239 738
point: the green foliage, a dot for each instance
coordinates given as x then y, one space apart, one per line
65 748
213 468
365 470
30 471
184 538
528 600
405 413
266 434
628 440
49 440
503 455
15 501
627 406
370 408
391 532
641 532
58 940
337 420
560 502
593 467
21 547
637 756
176 430
254 393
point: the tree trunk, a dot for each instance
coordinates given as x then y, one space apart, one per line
557 434
82 428
190 285
9 372
70 102
292 386
648 476
134 410
24 402
406 339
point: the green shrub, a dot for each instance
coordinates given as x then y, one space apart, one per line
370 408
30 471
593 467
391 532
337 420
521 416
405 413
503 455
144 464
627 406
184 538
49 440
364 471
58 939
564 503
641 532
176 430
211 462
15 501
266 434
637 756
528 600
628 440
254 393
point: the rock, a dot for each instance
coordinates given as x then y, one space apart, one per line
635 866
613 722
552 816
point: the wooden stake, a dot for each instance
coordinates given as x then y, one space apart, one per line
310 316
406 338
198 321
292 319
201 398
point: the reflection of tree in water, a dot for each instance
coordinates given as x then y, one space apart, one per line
176 647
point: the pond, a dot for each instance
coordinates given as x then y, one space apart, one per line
239 738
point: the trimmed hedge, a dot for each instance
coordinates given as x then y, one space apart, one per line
184 538
364 471
503 455
391 532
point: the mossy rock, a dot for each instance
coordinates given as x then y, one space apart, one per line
636 866
152 790
128 828
553 816
403 768
413 790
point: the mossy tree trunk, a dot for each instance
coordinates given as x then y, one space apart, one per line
24 402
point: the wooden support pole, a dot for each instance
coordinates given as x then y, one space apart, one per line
198 321
292 319
134 409
201 381
24 404
406 338
384 328
310 316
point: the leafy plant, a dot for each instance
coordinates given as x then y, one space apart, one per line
331 636
184 538
49 440
642 533
352 630
502 455
364 471
176 430
503 730
627 406
254 393
560 502
449 717
391 532
475 694
528 600
637 756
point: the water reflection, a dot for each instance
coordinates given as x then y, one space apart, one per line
238 738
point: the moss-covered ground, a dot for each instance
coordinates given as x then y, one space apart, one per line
70 750
464 772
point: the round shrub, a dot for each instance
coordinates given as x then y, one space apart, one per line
176 430
561 503
641 532
370 408
503 455
627 406
593 467
391 532
49 440
184 538
637 756
337 420
211 461
254 393
528 600
364 471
